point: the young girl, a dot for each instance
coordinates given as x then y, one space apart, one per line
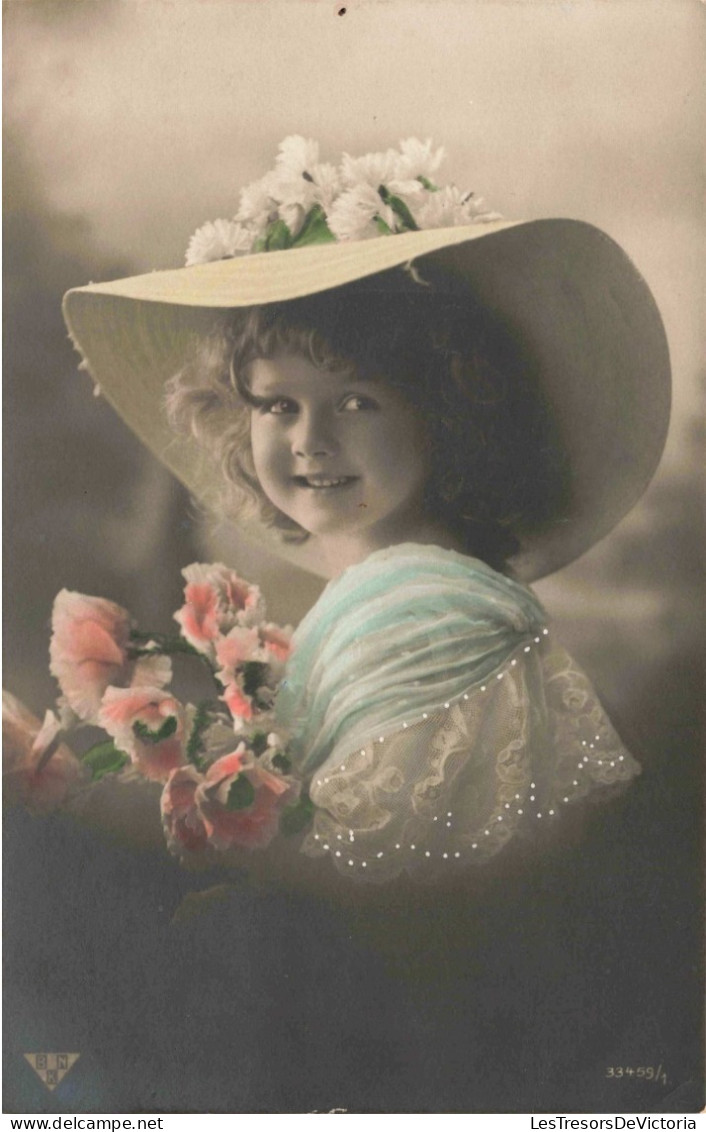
399 425
431 418
432 407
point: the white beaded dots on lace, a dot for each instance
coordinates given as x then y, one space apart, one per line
450 853
446 854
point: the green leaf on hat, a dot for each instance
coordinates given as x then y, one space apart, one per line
314 230
104 758
164 732
383 228
428 185
241 794
296 818
278 237
398 206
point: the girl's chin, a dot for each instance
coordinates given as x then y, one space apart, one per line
355 529
326 515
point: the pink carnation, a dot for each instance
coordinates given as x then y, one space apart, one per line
240 706
127 711
267 645
183 826
215 601
255 824
89 652
239 647
276 641
27 780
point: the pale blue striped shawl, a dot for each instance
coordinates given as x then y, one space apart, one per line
402 633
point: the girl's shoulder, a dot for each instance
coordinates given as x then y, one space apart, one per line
422 580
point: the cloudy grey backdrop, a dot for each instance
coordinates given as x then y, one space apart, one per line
130 122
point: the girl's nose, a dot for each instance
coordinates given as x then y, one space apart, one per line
313 437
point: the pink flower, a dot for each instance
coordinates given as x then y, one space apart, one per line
149 725
239 705
199 811
183 825
215 601
29 778
239 647
249 690
89 652
254 820
277 641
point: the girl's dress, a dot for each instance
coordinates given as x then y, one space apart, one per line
436 717
435 720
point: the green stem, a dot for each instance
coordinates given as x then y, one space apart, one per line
161 644
49 752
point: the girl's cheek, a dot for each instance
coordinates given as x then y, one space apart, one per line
261 439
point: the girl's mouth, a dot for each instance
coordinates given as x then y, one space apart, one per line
321 482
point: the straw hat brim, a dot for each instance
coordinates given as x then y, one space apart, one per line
564 287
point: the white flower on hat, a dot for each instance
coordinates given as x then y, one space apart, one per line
218 239
353 214
375 169
290 199
257 205
287 188
326 184
372 168
303 201
294 212
419 159
297 155
295 196
478 211
450 206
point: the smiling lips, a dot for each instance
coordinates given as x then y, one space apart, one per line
321 481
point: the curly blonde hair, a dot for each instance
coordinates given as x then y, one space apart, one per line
497 467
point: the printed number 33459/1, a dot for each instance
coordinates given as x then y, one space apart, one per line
642 1072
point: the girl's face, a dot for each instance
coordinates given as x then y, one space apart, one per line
345 458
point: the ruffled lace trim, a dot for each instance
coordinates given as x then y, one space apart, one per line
452 788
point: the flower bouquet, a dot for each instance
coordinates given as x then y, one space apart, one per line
227 778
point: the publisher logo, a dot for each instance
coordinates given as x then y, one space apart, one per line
51 1068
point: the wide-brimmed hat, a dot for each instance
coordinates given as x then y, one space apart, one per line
564 288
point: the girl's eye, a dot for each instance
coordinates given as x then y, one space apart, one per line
279 405
356 402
